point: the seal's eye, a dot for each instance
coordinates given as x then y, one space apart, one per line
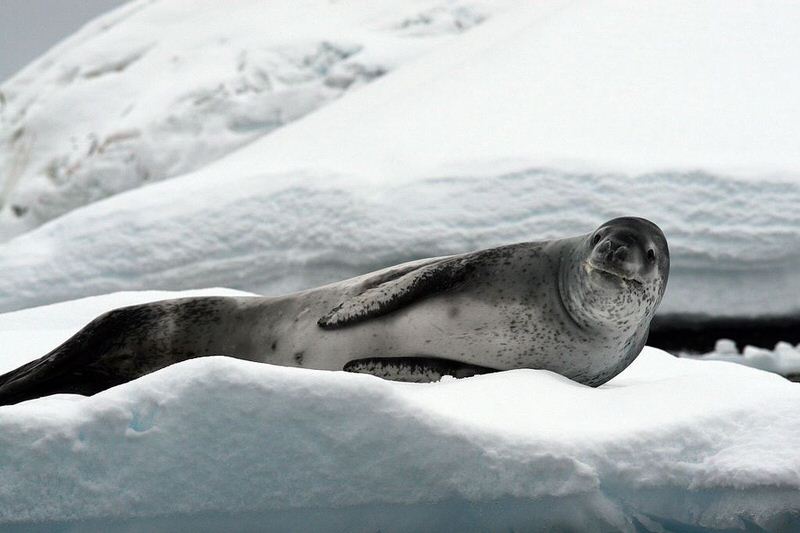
651 255
595 239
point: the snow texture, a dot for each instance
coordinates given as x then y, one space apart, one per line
542 122
155 89
283 232
670 444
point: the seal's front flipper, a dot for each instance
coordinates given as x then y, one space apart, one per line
399 292
421 369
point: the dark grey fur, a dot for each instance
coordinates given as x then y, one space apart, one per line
580 307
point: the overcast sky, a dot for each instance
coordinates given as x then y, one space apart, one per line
29 27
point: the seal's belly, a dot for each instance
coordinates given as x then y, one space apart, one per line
459 335
505 337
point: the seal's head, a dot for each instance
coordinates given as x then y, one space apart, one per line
629 249
617 274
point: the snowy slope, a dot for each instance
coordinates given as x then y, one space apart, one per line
217 441
155 89
542 122
593 86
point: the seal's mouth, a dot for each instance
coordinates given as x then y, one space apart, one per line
590 266
415 369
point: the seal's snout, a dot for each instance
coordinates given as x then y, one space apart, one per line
619 253
613 251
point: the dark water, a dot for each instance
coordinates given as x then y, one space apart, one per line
698 333
576 513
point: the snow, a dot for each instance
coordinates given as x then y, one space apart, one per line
541 122
575 85
155 89
784 359
175 145
273 234
220 442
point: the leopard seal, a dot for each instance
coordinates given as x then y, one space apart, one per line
578 306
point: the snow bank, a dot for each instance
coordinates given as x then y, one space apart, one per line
214 442
278 233
783 360
542 122
156 89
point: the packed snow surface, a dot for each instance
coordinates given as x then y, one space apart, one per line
155 89
542 122
668 445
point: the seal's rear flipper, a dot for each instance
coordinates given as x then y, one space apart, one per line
37 379
79 366
399 292
55 373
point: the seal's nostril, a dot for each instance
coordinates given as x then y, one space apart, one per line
621 253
